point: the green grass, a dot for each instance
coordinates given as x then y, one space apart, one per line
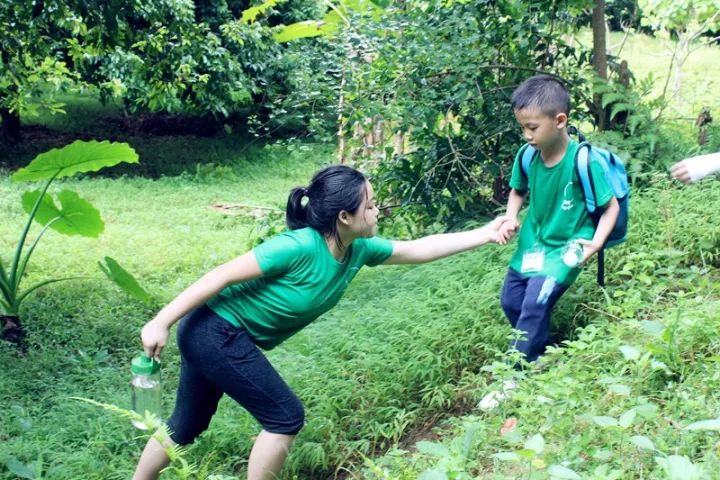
662 302
404 347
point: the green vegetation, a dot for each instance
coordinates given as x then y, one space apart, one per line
622 395
75 216
402 349
391 377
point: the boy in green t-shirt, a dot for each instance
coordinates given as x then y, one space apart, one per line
557 218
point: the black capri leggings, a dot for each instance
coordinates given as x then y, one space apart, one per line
218 358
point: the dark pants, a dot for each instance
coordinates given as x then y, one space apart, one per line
219 358
527 303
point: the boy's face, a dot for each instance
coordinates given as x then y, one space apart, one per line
540 129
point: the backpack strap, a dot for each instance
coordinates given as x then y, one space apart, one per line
527 153
582 164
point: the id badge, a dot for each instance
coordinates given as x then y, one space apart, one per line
532 261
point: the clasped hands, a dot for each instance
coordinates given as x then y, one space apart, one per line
504 228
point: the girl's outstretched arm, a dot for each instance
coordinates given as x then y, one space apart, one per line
155 333
433 247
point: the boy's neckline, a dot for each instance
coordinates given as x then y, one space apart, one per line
566 141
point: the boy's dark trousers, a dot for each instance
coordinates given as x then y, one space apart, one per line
528 303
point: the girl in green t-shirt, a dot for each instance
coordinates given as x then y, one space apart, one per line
266 295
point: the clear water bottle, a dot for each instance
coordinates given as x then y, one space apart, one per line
145 386
573 254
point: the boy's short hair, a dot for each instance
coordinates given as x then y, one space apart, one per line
544 92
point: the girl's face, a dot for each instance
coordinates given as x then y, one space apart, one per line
363 223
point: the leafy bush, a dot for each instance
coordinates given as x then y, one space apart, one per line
436 78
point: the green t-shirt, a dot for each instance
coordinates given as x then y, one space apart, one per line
557 212
301 281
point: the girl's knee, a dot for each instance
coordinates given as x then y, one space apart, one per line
289 421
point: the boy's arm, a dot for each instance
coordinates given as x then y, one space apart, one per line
515 202
605 226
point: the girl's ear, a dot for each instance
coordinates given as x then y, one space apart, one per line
343 217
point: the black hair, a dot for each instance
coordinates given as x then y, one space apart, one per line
544 92
331 190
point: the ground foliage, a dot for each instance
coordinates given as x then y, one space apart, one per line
632 393
406 347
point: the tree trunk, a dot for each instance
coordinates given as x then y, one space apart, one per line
10 127
13 331
599 57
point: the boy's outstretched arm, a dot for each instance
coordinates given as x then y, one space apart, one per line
605 226
515 203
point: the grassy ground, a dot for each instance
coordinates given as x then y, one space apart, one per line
619 400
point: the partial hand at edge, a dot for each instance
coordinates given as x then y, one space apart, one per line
681 172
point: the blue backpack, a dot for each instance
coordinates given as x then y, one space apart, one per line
617 177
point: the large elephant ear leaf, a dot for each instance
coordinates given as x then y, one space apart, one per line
75 217
78 157
123 279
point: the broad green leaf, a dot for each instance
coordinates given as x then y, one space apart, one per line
679 467
249 15
507 456
630 353
603 455
468 438
647 410
619 389
123 279
653 327
604 421
526 453
611 97
642 442
536 443
77 157
433 475
18 468
705 425
627 418
364 7
558 471
305 29
76 216
432 448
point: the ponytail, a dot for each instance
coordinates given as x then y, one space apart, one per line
296 212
